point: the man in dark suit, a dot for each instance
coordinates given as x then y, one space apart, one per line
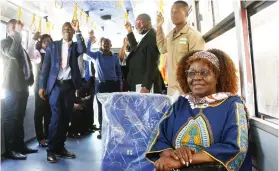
143 58
60 77
17 77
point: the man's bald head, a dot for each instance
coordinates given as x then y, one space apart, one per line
144 17
11 25
143 23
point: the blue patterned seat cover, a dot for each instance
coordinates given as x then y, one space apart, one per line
129 122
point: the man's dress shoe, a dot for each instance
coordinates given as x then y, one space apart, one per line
66 154
51 157
15 155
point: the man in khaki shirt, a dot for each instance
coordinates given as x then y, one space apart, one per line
182 39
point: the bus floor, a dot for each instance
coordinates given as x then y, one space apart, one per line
87 148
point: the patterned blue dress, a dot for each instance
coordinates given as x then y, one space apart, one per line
220 130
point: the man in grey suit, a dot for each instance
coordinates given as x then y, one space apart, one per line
16 79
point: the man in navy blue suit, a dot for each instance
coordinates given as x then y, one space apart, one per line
60 77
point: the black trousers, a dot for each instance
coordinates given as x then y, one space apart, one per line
106 87
42 117
77 122
13 112
88 88
89 113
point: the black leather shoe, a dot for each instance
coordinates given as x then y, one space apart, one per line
15 155
100 135
66 154
43 145
51 157
27 150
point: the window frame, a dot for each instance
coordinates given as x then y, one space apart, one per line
251 8
223 26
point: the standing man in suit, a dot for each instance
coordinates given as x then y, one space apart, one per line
17 77
60 77
143 59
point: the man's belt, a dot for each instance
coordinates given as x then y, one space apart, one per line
63 81
107 81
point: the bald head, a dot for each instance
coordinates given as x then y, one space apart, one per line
143 23
144 17
11 25
12 22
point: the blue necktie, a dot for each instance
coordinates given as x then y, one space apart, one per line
87 71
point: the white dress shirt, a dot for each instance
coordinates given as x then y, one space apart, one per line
81 64
65 73
33 53
139 37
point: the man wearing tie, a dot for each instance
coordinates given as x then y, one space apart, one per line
60 77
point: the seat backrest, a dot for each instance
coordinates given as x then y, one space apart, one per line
128 122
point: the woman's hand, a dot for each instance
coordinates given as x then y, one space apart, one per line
184 155
166 153
166 164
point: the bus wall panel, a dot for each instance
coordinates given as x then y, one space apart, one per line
267 149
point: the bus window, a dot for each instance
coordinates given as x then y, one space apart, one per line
206 19
222 9
265 26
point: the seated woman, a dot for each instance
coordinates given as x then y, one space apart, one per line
209 123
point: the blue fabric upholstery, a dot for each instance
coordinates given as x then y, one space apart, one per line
128 122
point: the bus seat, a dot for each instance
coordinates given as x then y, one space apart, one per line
128 123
